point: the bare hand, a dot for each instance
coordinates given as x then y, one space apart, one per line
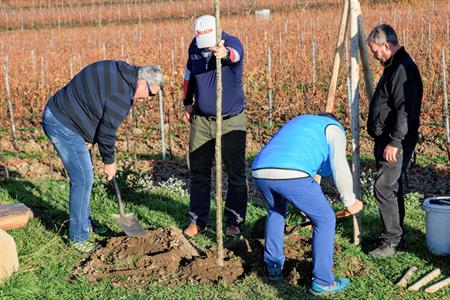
89 146
355 207
110 170
219 51
390 154
187 113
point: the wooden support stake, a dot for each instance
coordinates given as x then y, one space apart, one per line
368 77
444 86
269 69
425 279
438 285
219 233
354 80
161 115
10 108
403 281
337 57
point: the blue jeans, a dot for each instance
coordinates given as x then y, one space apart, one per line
306 195
76 158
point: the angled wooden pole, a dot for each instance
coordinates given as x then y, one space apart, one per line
365 62
336 64
337 57
219 233
354 102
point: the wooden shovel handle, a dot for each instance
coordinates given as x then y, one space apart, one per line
340 214
119 198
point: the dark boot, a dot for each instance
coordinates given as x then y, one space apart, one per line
385 249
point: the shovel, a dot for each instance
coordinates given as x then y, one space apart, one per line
340 214
128 222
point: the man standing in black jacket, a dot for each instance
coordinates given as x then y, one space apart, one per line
393 123
88 110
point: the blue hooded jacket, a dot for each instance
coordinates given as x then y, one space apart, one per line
299 145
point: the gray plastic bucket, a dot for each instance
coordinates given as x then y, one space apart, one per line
438 224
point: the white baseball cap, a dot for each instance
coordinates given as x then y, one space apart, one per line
205 31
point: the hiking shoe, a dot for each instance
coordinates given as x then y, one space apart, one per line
275 273
192 230
232 230
98 234
85 247
384 250
338 286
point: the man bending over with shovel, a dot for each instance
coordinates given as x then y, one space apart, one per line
284 171
88 110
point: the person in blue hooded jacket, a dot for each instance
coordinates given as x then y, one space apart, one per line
284 172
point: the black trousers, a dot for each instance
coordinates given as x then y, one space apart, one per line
389 189
201 157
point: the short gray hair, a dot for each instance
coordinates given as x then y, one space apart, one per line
152 74
383 33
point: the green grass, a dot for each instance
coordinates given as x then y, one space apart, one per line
46 261
4 155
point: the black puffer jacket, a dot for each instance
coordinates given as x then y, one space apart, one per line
394 110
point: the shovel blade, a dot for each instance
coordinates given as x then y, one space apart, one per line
129 224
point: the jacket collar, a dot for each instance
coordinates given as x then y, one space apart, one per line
394 58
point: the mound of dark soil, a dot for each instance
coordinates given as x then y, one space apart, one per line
165 256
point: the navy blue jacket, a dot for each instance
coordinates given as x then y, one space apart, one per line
200 79
96 101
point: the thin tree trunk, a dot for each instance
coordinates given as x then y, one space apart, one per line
354 79
219 233
337 57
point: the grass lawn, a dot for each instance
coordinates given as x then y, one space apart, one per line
46 261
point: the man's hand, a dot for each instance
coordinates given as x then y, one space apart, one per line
355 207
89 146
219 51
110 170
390 154
187 113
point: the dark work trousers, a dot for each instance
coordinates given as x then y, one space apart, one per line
201 157
389 189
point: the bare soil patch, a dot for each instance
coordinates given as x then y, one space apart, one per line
165 256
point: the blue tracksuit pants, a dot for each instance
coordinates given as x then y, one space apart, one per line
306 195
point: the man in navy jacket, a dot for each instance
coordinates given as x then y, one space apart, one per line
200 107
87 111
